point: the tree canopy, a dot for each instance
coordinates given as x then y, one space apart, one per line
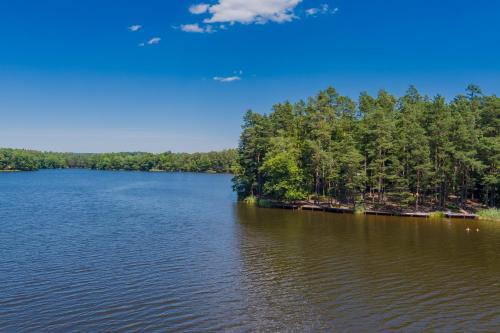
28 160
411 150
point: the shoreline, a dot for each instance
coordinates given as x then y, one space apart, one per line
344 210
308 205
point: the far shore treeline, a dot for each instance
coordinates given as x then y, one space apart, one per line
30 160
411 151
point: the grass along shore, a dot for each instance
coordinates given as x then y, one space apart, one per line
491 214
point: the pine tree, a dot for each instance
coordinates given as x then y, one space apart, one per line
251 153
413 145
379 141
489 150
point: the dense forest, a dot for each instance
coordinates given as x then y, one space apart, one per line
29 160
414 151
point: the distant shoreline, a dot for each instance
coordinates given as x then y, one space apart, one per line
30 160
119 170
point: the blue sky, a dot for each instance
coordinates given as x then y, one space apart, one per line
75 76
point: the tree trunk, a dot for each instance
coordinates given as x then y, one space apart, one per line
259 178
316 189
418 188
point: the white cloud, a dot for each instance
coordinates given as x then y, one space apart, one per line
228 12
252 11
196 28
200 8
135 27
312 11
323 9
227 79
154 41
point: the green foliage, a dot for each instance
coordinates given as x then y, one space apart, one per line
359 210
251 200
489 214
251 154
20 160
264 203
283 178
412 150
437 215
28 160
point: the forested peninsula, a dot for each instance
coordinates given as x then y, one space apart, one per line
413 153
380 152
30 160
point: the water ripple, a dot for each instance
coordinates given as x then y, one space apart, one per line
125 251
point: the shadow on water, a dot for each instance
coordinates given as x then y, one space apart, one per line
321 271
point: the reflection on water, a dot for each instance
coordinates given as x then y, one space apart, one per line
321 271
126 251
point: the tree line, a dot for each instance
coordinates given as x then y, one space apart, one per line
409 151
30 160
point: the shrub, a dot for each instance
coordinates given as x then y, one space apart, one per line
250 200
359 210
437 215
264 203
489 214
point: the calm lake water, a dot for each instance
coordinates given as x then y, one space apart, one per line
99 251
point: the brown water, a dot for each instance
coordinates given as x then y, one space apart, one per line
321 271
123 251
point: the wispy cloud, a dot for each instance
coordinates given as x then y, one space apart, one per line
198 9
192 28
227 79
323 9
154 41
312 11
196 28
135 27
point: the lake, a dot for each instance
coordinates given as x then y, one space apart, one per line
97 251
